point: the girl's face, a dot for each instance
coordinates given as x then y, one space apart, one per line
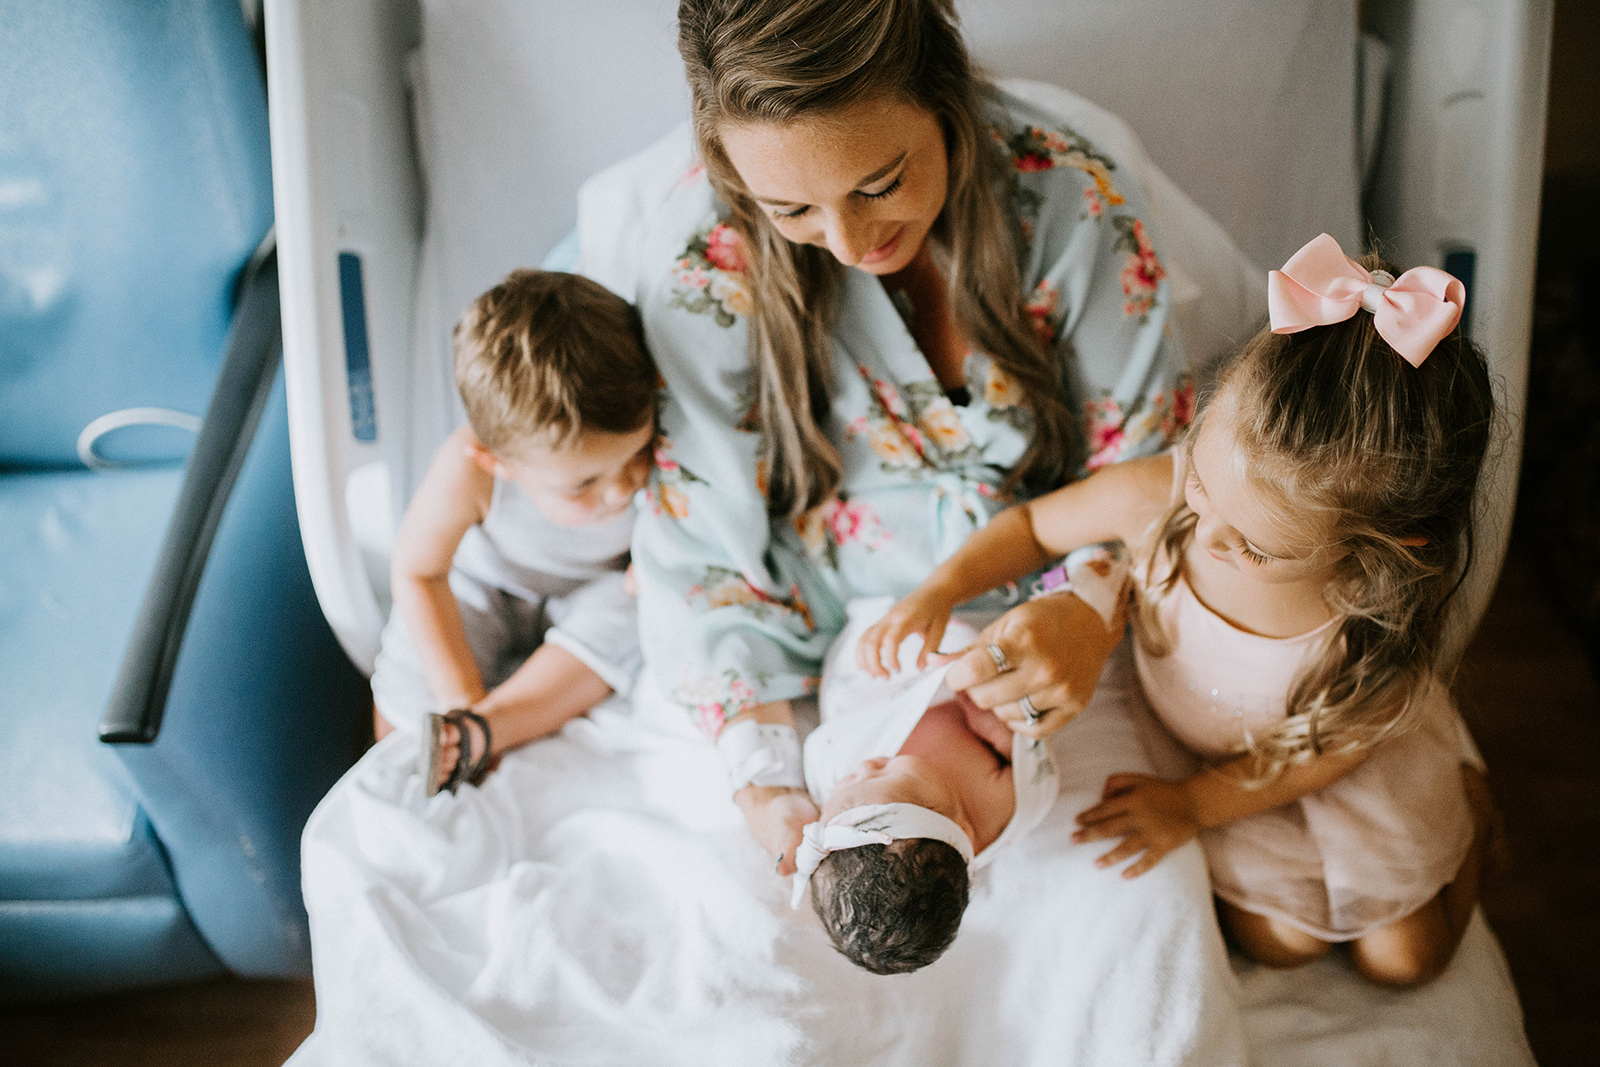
1242 527
865 182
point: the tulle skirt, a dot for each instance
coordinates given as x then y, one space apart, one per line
1371 848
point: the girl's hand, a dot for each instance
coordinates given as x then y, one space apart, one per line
1151 815
924 611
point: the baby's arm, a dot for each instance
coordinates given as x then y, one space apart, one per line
1114 504
453 497
1155 816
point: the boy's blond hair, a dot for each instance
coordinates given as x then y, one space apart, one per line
545 356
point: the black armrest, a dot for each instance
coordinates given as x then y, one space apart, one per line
250 361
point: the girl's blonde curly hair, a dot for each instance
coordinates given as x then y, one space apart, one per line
1336 430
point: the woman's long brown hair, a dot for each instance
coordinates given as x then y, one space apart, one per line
776 61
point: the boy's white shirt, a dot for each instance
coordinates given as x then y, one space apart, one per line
865 717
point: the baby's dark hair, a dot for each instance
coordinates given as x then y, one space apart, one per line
1335 427
892 908
544 356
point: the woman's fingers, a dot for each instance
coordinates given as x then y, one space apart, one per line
1054 647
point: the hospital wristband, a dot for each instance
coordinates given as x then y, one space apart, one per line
760 753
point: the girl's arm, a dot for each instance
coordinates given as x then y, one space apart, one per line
453 497
1155 816
1114 504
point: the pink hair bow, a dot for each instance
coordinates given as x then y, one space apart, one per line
1321 285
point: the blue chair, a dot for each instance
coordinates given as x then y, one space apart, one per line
153 587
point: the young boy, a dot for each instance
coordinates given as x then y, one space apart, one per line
918 789
511 614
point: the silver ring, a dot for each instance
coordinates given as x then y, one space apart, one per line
1033 713
998 654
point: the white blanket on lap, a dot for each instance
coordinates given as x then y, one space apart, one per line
599 901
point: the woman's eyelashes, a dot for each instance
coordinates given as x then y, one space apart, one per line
887 191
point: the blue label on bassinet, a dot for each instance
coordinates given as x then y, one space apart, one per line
357 362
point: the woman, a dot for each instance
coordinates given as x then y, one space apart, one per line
894 300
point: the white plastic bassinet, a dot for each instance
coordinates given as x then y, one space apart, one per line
1273 118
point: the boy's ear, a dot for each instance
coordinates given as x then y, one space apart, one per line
1412 542
486 460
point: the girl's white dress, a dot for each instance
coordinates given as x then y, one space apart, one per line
1368 849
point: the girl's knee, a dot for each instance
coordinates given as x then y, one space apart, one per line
1398 963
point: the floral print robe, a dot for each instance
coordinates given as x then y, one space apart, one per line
737 608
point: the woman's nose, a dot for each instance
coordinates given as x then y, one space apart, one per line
846 239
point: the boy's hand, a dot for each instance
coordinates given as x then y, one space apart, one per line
777 815
923 612
1151 815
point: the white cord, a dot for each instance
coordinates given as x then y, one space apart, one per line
117 420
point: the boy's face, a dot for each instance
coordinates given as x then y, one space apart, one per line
904 779
591 480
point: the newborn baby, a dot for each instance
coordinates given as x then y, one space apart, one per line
918 787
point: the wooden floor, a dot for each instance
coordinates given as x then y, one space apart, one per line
1527 691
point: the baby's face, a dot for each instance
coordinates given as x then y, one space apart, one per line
902 779
589 481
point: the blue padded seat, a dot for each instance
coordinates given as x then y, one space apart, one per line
84 883
79 547
164 606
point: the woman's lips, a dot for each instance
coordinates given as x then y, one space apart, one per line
885 250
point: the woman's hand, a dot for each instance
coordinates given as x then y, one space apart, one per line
1053 649
925 611
776 816
1151 815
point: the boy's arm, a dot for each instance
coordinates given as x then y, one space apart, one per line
453 497
551 687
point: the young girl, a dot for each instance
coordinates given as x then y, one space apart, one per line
1293 562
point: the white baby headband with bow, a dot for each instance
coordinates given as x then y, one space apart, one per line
871 824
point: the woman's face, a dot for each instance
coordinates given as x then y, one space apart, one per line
865 182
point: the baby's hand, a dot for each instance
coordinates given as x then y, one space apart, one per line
923 612
777 816
1151 815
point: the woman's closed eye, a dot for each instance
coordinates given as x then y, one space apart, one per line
887 191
